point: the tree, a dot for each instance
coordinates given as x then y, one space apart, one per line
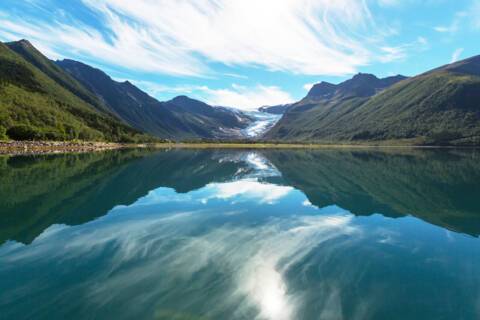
23 132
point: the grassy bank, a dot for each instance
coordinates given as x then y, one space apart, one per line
265 145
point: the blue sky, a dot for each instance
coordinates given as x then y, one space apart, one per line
246 53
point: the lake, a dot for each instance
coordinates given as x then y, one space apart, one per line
227 234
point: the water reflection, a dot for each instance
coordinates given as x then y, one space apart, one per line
438 186
186 234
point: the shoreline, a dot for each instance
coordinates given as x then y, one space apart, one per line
52 147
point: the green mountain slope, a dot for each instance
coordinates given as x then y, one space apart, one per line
439 107
180 118
35 57
35 106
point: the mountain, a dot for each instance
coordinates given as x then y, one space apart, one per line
314 117
361 85
180 118
25 49
64 100
207 121
279 109
439 107
40 101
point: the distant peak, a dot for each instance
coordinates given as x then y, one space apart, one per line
398 76
360 85
24 41
322 89
186 101
72 62
182 98
323 84
364 76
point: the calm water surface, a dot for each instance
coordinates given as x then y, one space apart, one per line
185 234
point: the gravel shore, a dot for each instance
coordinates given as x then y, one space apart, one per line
41 147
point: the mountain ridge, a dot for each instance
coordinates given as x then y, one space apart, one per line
438 107
179 118
35 106
361 85
67 99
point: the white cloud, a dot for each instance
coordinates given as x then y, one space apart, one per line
475 14
467 18
443 29
237 76
245 98
308 86
393 53
422 41
300 36
452 28
182 37
400 52
156 89
456 55
248 190
85 42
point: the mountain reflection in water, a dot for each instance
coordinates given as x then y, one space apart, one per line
224 234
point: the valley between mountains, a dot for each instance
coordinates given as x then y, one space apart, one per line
65 100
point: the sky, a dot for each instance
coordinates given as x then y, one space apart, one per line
246 53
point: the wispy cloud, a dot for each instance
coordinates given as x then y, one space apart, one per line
236 96
246 98
157 90
465 19
475 14
453 27
456 55
182 38
400 52
132 49
308 86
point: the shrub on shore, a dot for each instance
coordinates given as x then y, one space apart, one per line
3 133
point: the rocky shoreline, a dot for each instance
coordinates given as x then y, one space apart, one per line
42 147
